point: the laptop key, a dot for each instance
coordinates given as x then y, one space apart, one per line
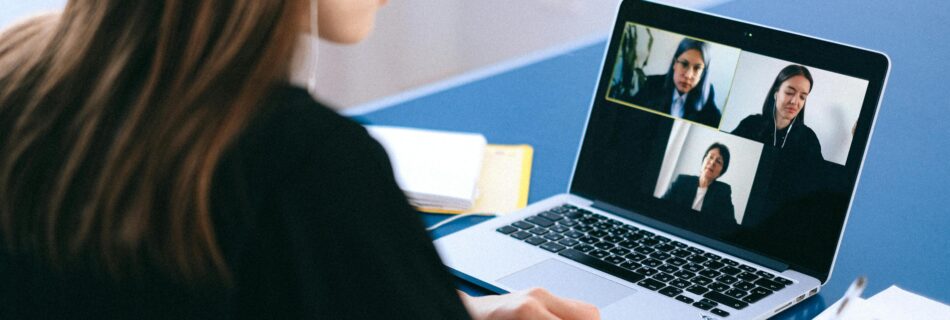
744 286
540 221
764 274
630 265
753 297
761 291
601 265
747 268
599 254
535 240
507 229
573 234
615 260
701 280
598 233
712 274
613 239
647 271
730 270
718 287
713 264
521 235
668 269
659 255
636 256
676 261
588 240
683 274
727 279
719 312
680 283
692 267
652 263
726 300
643 250
523 225
619 251
711 256
695 250
680 253
698 290
747 276
583 247
783 281
735 293
702 305
568 242
709 302
670 291
551 216
685 299
552 246
697 259
628 244
651 284
729 262
560 229
553 237
604 245
567 223
539 231
663 277
769 284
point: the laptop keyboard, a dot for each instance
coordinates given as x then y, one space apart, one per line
652 261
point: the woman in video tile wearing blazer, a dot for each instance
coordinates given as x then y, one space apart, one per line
684 91
704 193
157 161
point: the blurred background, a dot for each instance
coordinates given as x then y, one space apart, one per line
422 45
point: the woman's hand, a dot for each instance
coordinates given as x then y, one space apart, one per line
529 304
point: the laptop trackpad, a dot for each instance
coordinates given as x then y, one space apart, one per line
567 281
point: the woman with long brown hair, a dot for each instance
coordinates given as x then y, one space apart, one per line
156 162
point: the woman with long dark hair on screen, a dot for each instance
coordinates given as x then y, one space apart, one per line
684 91
781 125
156 162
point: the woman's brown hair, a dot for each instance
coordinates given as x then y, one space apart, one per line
113 117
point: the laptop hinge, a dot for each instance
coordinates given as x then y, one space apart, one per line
695 237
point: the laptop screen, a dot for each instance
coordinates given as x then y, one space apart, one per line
736 132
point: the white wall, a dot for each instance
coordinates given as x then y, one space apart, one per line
685 156
832 108
722 62
14 10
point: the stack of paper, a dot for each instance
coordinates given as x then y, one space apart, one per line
891 304
436 169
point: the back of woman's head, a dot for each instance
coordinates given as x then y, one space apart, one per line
113 116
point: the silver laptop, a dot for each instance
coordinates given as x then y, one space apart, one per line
714 178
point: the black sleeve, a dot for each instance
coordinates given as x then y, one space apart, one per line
357 247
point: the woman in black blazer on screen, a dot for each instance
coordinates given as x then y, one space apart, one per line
684 91
704 193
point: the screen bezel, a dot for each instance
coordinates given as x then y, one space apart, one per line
823 54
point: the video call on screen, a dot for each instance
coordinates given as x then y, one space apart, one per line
735 145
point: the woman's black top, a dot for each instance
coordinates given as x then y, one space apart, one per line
312 225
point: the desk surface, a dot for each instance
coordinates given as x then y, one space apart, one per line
898 229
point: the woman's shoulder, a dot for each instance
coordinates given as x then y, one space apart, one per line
294 131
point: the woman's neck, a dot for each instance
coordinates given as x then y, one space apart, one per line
782 123
704 183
